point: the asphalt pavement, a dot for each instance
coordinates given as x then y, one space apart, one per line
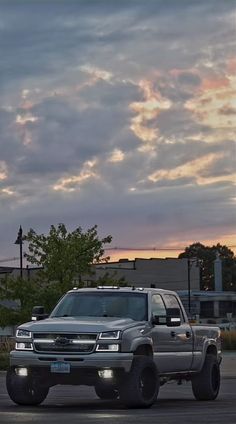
80 405
175 403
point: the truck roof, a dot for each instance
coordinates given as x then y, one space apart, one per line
122 289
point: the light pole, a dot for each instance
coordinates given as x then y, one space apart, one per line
19 241
190 262
189 286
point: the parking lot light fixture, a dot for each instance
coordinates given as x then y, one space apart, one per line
19 241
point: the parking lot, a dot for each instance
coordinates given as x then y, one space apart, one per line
80 405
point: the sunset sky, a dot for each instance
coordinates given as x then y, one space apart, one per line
120 114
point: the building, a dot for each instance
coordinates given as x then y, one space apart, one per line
212 306
169 273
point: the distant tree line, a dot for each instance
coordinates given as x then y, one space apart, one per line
206 256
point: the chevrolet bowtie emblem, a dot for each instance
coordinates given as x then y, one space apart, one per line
62 341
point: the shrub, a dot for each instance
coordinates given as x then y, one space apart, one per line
4 361
228 339
6 344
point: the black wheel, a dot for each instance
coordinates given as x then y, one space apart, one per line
206 384
24 390
106 391
140 388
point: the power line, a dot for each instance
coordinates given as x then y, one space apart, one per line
151 248
145 248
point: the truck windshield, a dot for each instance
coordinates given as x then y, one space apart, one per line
103 304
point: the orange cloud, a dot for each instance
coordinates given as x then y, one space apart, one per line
73 182
116 156
228 110
147 110
3 171
214 102
193 169
214 83
231 67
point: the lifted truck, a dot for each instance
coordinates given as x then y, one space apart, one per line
126 342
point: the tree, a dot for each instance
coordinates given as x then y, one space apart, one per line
109 279
65 257
18 296
206 256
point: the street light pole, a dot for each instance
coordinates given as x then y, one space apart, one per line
189 286
19 241
198 263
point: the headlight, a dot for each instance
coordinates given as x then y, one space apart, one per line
24 346
102 347
109 335
24 334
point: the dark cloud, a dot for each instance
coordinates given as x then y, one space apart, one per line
189 78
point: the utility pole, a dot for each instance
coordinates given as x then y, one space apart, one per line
189 286
190 263
19 241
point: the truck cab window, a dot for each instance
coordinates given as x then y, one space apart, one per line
158 306
172 302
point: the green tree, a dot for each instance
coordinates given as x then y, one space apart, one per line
20 296
206 256
65 257
109 279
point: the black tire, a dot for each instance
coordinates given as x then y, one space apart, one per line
140 388
206 384
106 391
24 390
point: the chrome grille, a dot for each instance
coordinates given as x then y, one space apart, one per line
64 342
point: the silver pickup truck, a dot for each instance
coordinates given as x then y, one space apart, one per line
126 342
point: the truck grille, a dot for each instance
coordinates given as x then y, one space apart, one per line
63 342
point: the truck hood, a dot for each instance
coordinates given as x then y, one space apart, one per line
81 324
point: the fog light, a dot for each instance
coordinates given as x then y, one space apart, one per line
23 346
22 372
106 374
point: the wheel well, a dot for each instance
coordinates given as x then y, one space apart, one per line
145 350
211 350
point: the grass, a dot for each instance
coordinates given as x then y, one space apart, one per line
4 361
6 345
228 339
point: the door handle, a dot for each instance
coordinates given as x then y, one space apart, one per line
188 334
173 333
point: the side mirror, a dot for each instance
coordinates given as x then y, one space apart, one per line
159 320
38 313
173 317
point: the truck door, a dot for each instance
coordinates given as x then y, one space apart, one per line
172 345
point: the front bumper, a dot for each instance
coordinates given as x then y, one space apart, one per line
122 361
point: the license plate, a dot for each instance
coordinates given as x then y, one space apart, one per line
60 367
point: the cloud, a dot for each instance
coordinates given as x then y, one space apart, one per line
73 182
147 110
227 110
116 156
120 115
194 171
